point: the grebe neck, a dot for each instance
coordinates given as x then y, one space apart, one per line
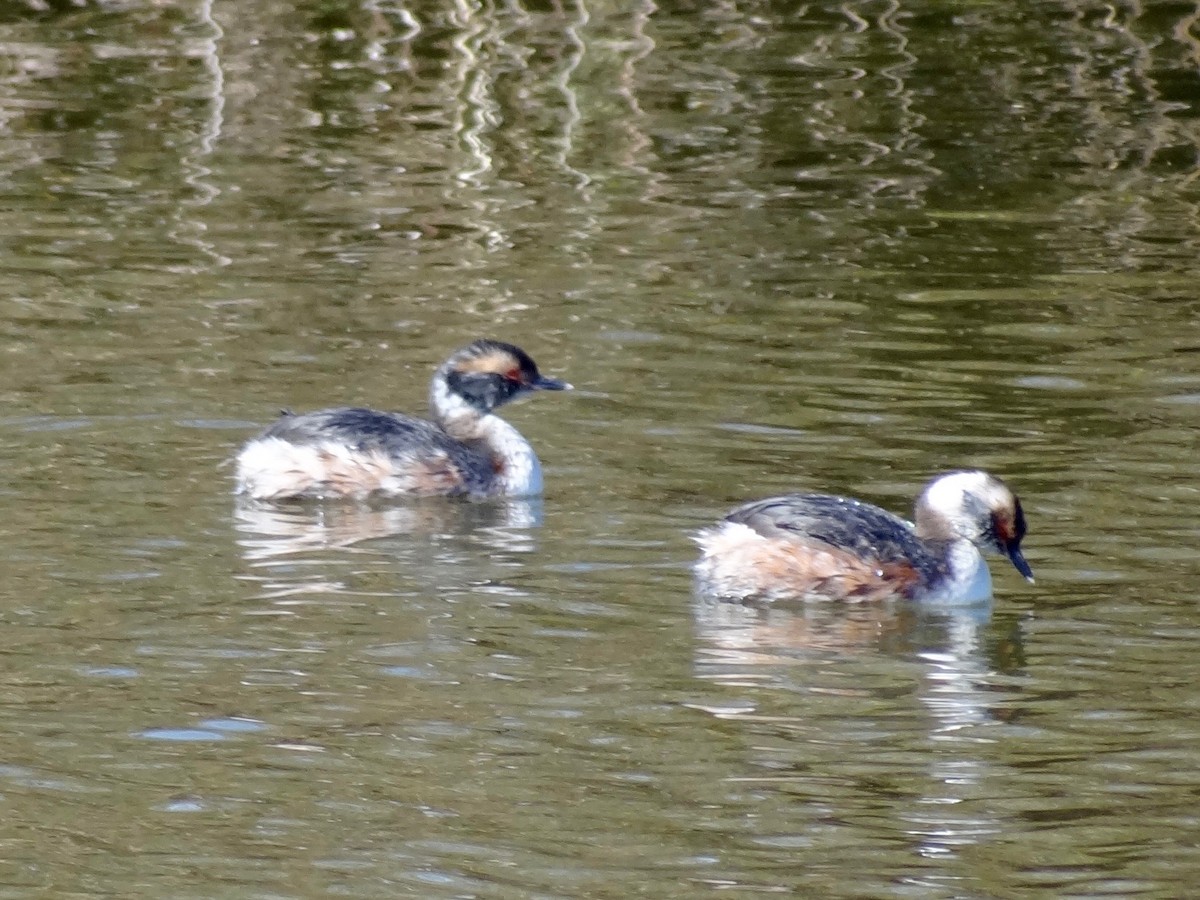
517 469
968 578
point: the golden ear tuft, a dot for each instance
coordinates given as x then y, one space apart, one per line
492 362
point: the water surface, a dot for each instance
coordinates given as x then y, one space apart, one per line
775 247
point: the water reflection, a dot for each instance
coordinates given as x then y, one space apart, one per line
754 634
268 532
798 245
315 553
188 226
854 668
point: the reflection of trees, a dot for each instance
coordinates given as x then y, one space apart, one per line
453 128
510 89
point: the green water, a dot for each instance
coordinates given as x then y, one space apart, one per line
775 247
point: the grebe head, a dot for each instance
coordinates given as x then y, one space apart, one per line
978 507
485 375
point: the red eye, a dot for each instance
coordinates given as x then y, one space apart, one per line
514 374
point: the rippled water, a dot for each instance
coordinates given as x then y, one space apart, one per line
775 247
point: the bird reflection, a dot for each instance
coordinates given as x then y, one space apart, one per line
268 532
932 679
735 635
306 552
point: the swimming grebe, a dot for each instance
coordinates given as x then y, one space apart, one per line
353 452
816 546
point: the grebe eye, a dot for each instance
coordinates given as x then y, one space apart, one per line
515 374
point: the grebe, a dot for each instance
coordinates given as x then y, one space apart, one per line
353 452
817 546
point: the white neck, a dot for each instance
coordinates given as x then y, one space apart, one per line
520 472
449 408
970 580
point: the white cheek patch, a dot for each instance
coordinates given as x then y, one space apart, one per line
946 494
